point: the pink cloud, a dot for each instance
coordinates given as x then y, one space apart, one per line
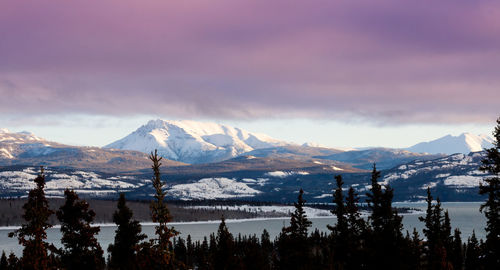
385 61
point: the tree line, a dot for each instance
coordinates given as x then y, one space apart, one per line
353 242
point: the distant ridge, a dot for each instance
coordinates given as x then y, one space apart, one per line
463 143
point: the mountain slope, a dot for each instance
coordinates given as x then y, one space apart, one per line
385 158
464 143
193 142
25 148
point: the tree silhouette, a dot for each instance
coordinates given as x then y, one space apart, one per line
491 208
33 233
123 253
299 223
81 249
385 239
157 254
3 262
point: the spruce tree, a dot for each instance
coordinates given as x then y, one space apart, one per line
385 239
225 255
293 249
33 233
3 262
299 223
81 250
491 208
123 252
340 232
472 253
158 254
13 262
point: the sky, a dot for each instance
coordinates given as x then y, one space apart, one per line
339 73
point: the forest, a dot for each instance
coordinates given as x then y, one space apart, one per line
353 242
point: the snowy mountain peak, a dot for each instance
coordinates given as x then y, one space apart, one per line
192 141
449 144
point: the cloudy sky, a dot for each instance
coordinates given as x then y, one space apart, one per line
339 73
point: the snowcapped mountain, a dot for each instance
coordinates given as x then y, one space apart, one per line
193 142
24 148
464 143
12 144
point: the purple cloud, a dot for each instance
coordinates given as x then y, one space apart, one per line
385 61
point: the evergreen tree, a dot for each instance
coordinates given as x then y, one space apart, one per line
3 262
123 253
225 257
457 253
33 233
438 245
81 249
472 253
491 208
13 262
158 255
299 223
386 240
293 249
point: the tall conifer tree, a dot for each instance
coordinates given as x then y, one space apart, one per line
386 239
491 208
123 253
81 249
158 253
33 233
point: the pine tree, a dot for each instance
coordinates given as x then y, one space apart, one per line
161 215
386 239
293 249
33 233
3 262
123 253
225 257
472 253
438 246
457 253
13 262
299 223
81 249
340 232
491 208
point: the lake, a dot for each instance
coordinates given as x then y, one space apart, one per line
465 216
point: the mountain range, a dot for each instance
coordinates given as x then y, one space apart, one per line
203 157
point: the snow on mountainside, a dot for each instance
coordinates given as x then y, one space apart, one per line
464 143
19 182
11 144
193 142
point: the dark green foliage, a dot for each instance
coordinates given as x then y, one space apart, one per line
123 253
13 262
293 249
439 243
385 241
472 254
457 251
491 208
346 236
3 262
225 253
32 234
299 223
81 249
157 254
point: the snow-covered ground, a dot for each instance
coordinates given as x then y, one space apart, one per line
212 188
282 174
56 182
